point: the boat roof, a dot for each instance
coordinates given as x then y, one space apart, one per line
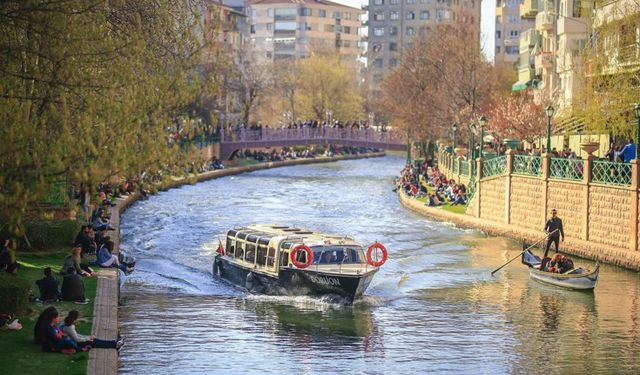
293 234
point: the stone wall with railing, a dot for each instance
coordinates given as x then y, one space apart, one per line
598 201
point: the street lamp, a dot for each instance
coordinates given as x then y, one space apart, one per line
483 122
454 127
549 111
472 150
637 108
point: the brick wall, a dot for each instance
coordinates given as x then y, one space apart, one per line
609 216
567 198
492 199
527 202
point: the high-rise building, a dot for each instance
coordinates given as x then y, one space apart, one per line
393 24
295 28
509 25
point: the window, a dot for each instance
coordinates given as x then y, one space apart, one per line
393 46
376 47
498 34
322 13
511 50
346 29
410 15
426 1
285 25
269 26
394 2
378 63
306 12
346 43
425 15
514 33
346 15
394 15
410 31
378 31
424 30
439 14
512 18
270 12
498 19
497 50
378 16
337 15
411 1
513 3
253 29
393 30
378 2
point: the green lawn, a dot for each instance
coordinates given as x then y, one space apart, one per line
18 353
457 209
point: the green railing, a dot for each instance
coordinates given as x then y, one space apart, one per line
455 166
566 169
464 168
527 165
606 172
494 167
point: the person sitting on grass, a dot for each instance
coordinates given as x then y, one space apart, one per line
48 286
81 341
8 262
102 222
50 337
73 287
107 259
74 261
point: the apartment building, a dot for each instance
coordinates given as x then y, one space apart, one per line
224 28
293 28
393 24
509 26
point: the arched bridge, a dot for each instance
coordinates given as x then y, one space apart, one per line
230 142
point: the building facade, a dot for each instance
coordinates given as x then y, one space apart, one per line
393 24
509 26
294 28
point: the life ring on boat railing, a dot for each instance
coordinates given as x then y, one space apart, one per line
377 246
294 256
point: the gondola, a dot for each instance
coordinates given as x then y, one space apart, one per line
577 278
284 260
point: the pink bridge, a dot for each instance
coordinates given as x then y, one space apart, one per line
230 142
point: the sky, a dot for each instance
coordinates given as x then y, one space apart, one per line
487 23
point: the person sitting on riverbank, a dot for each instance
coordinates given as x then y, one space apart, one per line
74 260
48 286
102 222
86 240
73 287
81 341
8 261
106 258
47 333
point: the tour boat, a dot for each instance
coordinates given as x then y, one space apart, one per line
283 260
577 278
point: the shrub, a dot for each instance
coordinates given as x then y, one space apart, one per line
14 293
52 232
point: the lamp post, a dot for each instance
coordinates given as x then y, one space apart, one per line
483 122
637 108
454 127
472 150
408 145
549 111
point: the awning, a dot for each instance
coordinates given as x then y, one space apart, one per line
518 86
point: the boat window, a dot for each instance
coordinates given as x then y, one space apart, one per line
239 250
242 236
250 252
262 255
252 238
271 257
231 233
284 258
338 255
230 246
263 241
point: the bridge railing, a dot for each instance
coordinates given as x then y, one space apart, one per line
285 134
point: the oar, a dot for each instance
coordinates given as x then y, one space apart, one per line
523 251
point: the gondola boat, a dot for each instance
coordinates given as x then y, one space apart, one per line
577 278
283 260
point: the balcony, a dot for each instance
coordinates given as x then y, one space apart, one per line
525 73
529 9
570 25
544 60
528 39
544 21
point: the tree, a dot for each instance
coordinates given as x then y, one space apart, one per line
517 116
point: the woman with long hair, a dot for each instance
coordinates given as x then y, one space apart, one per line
48 334
81 340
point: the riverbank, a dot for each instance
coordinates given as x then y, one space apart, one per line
105 322
581 248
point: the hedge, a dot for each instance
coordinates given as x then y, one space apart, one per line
14 293
52 232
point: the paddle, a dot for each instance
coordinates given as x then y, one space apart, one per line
523 251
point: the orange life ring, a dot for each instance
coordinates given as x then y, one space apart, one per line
379 246
294 255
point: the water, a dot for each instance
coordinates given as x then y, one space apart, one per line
432 308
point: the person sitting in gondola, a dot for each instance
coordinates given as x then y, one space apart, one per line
545 264
565 264
554 264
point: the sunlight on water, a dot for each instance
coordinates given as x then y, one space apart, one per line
432 308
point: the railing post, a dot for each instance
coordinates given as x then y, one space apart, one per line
635 210
459 163
586 179
507 191
545 163
478 192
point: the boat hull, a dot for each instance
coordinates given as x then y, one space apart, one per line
586 280
293 281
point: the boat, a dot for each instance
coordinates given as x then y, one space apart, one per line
577 278
286 260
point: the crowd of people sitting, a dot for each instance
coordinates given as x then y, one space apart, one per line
556 264
426 180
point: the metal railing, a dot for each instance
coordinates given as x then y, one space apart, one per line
527 165
610 173
455 165
494 167
464 167
566 169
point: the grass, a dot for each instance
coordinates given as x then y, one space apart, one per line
18 353
457 209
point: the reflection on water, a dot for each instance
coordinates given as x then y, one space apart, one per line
434 307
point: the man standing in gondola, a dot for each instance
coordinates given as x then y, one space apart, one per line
555 230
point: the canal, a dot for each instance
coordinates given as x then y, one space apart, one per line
433 307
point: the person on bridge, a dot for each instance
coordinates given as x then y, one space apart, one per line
554 228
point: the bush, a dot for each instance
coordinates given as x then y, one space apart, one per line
14 293
52 232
